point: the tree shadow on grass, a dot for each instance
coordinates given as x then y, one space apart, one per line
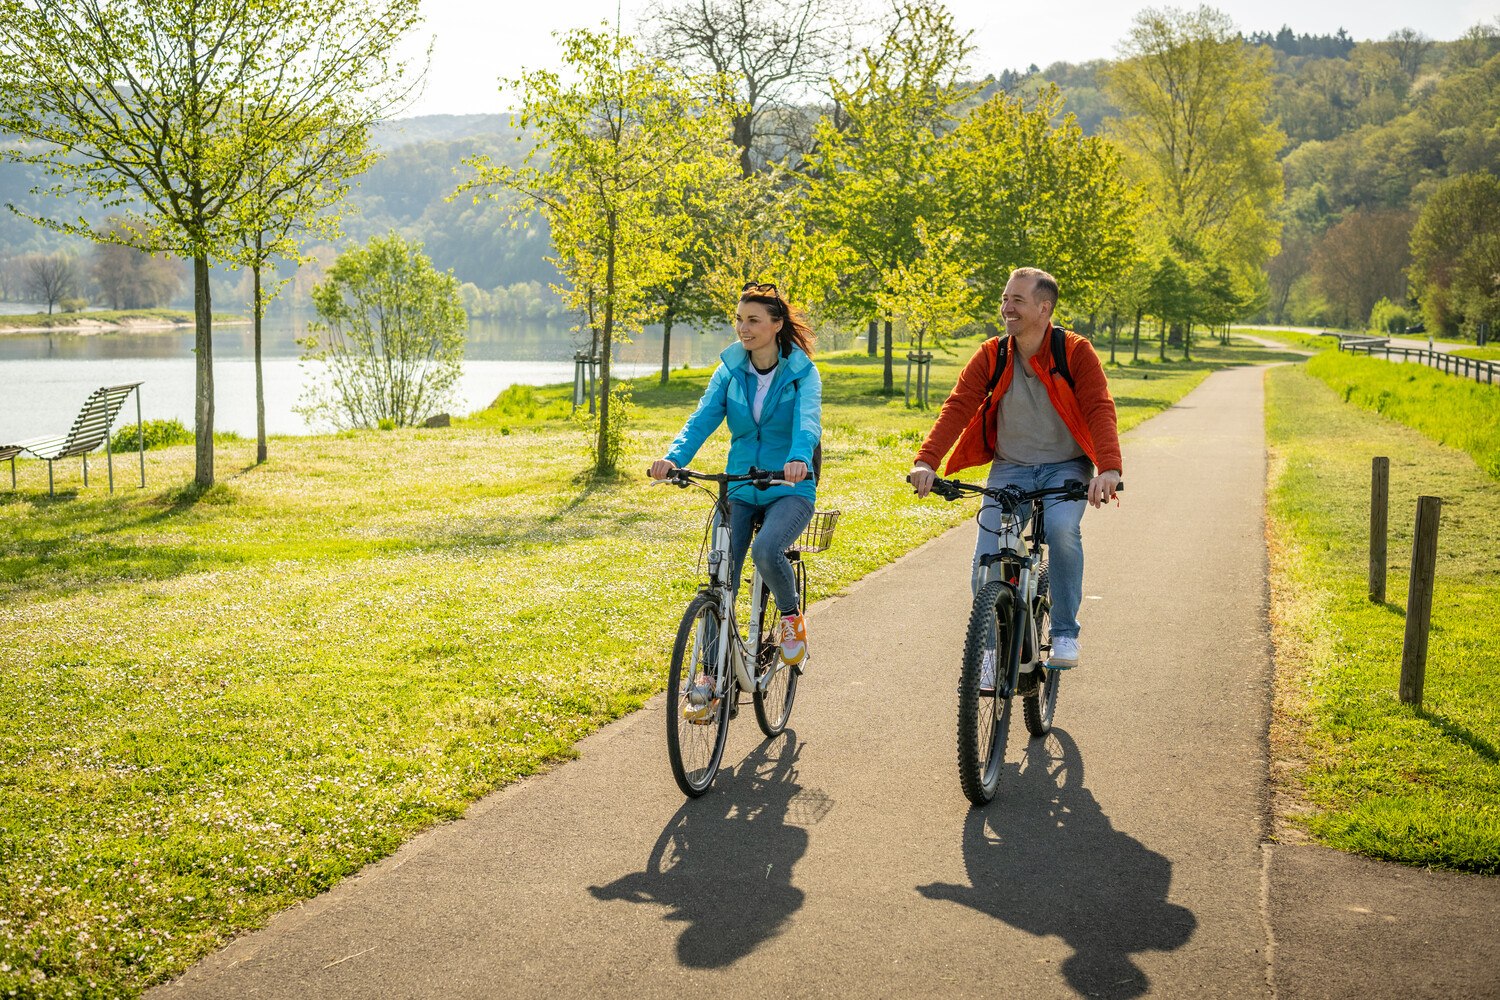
1046 860
723 863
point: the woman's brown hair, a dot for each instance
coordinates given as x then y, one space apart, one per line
794 327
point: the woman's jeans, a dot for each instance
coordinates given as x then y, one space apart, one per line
785 520
1064 539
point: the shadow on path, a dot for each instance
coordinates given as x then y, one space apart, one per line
723 864
1046 860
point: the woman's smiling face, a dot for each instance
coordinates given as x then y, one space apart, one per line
755 327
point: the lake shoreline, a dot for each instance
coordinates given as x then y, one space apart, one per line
94 328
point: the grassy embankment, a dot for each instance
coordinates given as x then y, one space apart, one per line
120 317
220 704
1364 772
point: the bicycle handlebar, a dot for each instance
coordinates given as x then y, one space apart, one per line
761 478
1010 497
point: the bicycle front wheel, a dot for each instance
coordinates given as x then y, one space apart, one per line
696 731
1041 705
774 697
984 716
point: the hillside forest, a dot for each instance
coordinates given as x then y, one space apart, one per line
1369 194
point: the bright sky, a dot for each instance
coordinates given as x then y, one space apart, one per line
476 41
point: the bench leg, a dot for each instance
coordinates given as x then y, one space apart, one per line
49 478
12 472
85 470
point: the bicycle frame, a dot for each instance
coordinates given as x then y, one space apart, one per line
736 653
1012 558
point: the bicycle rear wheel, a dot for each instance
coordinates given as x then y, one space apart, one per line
984 719
695 746
773 703
1040 706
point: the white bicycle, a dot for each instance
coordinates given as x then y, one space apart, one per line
713 662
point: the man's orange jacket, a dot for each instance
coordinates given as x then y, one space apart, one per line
969 414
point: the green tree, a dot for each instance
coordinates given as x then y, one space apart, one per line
873 172
1195 100
1455 249
932 292
390 332
610 138
138 103
1029 189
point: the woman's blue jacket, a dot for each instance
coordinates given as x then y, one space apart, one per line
790 425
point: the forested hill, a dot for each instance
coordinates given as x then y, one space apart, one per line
1372 129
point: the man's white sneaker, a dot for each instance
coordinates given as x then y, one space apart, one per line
1064 652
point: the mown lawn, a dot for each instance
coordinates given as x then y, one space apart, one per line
1420 786
220 703
1448 409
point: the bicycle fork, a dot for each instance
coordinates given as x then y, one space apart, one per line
1024 655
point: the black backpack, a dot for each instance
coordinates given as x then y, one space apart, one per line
1059 360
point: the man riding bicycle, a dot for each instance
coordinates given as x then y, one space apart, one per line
1036 404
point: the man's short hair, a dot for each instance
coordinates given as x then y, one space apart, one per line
1044 283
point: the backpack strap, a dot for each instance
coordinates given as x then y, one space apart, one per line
1059 359
1060 356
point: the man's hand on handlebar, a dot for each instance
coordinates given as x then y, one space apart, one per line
921 478
1102 487
660 468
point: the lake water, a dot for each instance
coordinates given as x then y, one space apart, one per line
45 377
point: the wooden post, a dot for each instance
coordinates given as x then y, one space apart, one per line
1419 600
1380 480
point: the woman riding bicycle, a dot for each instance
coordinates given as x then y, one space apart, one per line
768 390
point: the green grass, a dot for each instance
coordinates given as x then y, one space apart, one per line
1420 786
1450 410
1483 353
221 702
61 319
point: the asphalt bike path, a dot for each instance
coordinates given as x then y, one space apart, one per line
1124 856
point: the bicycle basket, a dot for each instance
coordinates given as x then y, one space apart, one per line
819 532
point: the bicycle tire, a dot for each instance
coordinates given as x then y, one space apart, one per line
1040 707
984 720
773 705
695 749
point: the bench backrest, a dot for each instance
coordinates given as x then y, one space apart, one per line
95 419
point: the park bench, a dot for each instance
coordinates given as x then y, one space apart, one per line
90 429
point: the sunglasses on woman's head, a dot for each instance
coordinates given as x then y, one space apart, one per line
760 286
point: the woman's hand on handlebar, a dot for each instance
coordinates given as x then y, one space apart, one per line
660 468
921 478
794 472
1102 487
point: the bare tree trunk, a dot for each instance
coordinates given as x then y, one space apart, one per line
890 346
260 382
666 346
873 340
1114 333
1135 353
203 346
603 460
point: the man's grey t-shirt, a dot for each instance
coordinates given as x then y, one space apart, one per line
1028 429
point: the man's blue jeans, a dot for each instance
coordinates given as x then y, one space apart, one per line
1064 537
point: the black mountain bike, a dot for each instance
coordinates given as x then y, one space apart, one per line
1008 643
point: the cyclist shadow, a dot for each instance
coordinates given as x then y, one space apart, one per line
723 864
1046 860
